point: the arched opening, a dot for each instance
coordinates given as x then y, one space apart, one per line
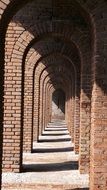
58 105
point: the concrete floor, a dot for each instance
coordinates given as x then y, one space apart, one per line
52 165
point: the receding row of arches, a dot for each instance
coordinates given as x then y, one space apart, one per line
54 47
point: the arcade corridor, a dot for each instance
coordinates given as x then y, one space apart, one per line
53 74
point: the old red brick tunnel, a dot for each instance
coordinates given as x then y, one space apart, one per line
53 95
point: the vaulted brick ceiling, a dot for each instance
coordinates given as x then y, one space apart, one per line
57 26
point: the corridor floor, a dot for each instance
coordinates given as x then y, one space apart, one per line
52 164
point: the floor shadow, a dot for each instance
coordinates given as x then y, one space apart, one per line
52 150
53 124
55 129
54 140
78 189
53 134
52 167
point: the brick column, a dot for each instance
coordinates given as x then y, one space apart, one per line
1 100
27 128
72 117
98 165
47 103
85 116
12 143
46 107
50 103
77 117
42 115
43 108
40 106
36 105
